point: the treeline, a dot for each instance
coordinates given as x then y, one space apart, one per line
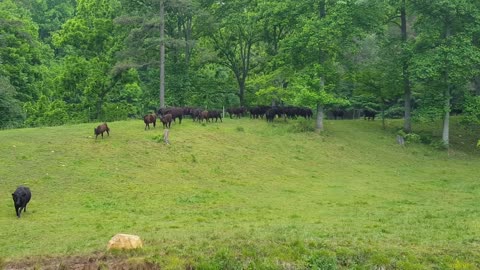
99 60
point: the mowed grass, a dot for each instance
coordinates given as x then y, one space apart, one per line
242 194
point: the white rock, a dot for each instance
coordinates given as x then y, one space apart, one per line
125 241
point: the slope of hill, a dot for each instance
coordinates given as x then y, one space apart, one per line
239 194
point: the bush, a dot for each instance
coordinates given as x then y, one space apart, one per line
471 111
412 138
302 125
118 111
46 113
395 112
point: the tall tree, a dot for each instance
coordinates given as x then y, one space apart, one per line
162 53
91 40
329 28
446 53
21 52
398 16
234 33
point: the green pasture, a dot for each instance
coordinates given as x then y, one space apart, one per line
243 194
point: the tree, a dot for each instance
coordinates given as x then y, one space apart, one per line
234 33
446 53
21 53
91 40
11 114
329 30
398 16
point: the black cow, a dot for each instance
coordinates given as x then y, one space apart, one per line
100 130
237 112
369 114
259 111
21 197
215 114
196 114
270 114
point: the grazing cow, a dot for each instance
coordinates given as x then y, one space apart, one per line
203 115
215 114
270 114
237 112
166 120
101 129
369 114
196 113
150 119
306 113
21 197
259 111
174 111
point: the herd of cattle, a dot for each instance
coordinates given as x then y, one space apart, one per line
167 115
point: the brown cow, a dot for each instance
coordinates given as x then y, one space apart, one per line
176 112
166 120
100 130
203 115
149 119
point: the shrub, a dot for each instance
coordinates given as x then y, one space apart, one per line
302 125
412 138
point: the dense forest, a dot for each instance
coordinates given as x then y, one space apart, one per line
64 61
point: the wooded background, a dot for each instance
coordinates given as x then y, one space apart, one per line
64 61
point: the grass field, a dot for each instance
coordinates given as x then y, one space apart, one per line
242 194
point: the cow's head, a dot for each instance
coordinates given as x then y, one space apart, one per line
16 199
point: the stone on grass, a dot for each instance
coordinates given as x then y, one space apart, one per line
125 241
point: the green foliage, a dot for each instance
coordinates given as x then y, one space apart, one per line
471 111
20 50
305 85
11 114
46 113
322 260
118 111
412 138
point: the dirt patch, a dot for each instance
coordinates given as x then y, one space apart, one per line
91 262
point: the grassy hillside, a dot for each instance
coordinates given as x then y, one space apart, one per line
241 194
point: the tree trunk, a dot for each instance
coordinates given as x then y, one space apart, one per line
162 54
407 125
446 119
319 121
241 91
